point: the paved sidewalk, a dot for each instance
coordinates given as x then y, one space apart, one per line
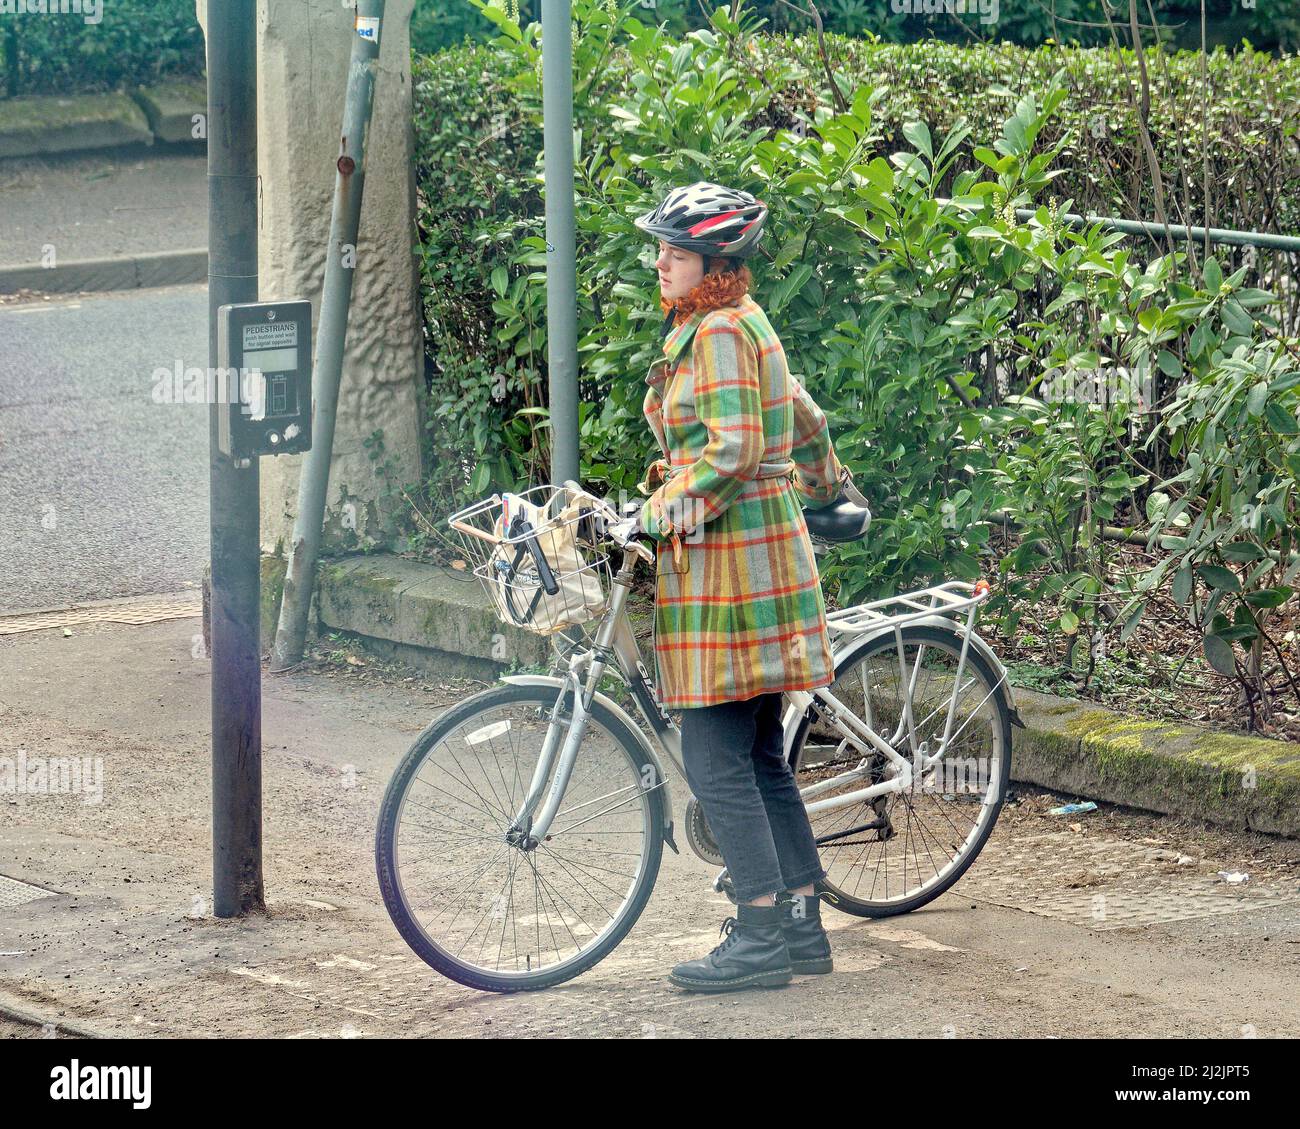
126 943
103 492
101 205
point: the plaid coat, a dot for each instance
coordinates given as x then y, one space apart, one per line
738 602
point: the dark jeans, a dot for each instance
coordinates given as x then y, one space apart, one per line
738 772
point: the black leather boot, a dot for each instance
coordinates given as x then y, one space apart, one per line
801 923
753 955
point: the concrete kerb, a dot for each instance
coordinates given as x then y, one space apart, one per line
1072 747
36 125
440 612
171 108
1229 779
130 272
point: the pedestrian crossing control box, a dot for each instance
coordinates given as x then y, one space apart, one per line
264 353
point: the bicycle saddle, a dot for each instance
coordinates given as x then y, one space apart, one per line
842 520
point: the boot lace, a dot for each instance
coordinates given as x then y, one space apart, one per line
728 929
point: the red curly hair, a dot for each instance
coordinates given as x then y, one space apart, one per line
716 289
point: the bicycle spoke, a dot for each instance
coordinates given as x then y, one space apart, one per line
508 904
932 822
550 847
568 869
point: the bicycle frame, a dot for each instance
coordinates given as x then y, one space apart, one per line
615 644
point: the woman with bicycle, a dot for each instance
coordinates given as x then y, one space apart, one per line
520 837
739 614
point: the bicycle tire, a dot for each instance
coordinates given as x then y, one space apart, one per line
387 862
924 633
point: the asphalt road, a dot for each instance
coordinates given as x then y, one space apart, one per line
103 492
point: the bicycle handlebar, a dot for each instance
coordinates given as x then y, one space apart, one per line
612 517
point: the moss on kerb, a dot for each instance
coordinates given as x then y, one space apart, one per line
1047 745
1228 750
348 585
334 575
1176 760
1129 762
364 588
177 96
477 628
1106 726
370 580
35 113
1234 751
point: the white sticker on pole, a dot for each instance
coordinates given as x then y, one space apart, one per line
368 28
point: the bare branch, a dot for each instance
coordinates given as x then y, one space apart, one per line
813 14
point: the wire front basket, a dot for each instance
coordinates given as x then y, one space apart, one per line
537 554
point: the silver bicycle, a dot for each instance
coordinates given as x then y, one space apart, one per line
520 837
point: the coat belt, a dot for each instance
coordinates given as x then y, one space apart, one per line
775 470
660 472
765 470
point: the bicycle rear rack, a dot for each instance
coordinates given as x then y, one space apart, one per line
897 611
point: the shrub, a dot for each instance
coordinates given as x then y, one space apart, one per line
927 316
135 43
439 24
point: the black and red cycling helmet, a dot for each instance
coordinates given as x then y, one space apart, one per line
708 219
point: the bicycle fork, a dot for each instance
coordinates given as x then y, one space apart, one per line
556 761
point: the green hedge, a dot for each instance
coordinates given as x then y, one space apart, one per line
1250 102
480 152
1271 24
884 339
134 43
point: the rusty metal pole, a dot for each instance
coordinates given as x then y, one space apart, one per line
313 483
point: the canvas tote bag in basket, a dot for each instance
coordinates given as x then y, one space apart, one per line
513 578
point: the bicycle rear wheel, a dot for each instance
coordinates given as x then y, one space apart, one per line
895 853
496 915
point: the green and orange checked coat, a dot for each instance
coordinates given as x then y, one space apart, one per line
738 602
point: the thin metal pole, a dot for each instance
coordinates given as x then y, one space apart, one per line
1179 231
233 491
345 220
1175 230
561 273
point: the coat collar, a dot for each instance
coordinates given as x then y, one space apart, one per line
673 345
676 342
681 335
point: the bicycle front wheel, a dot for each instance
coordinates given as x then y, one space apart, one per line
893 853
498 915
